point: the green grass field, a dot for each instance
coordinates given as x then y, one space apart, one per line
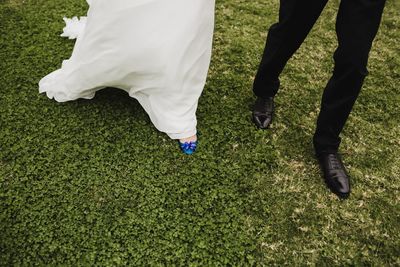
93 183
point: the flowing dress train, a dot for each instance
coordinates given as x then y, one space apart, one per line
158 51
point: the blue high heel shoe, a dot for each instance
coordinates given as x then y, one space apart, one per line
188 147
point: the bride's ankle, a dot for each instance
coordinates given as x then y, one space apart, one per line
188 139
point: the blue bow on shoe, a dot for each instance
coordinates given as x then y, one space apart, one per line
188 147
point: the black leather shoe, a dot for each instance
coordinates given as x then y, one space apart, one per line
335 174
263 112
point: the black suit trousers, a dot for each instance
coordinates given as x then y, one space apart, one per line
357 23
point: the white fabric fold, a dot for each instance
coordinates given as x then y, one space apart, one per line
74 27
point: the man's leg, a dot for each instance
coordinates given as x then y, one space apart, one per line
296 18
356 26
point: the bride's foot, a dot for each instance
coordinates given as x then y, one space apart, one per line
188 145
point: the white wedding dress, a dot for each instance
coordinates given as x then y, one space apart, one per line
157 50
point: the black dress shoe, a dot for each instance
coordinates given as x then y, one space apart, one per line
263 112
335 174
